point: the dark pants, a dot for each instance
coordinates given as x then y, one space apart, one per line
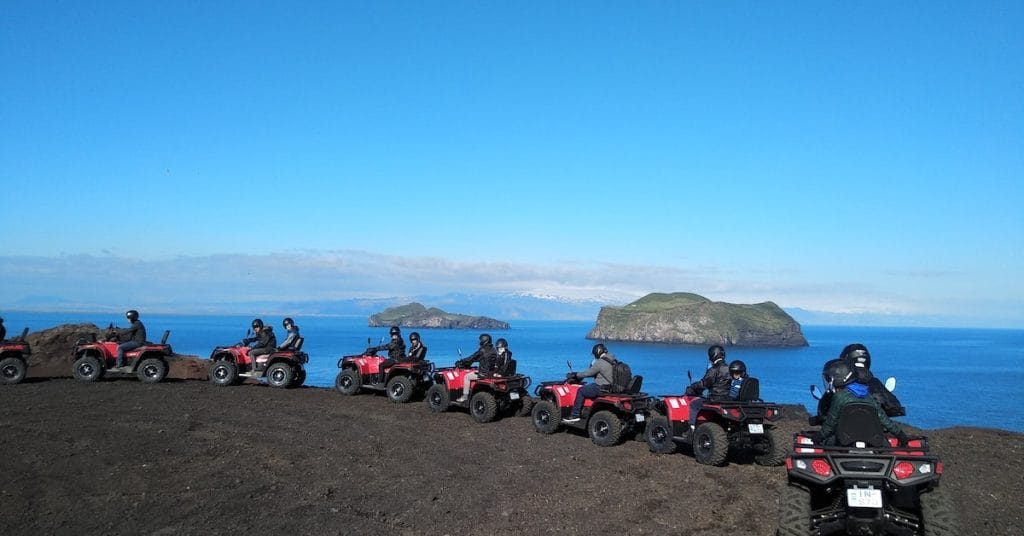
258 352
125 347
384 365
590 390
695 406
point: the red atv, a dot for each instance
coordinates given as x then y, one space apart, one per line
745 424
489 395
400 381
281 368
607 418
14 359
93 358
866 483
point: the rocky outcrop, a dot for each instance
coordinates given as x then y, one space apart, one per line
415 315
53 350
684 318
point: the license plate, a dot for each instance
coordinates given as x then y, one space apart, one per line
755 428
864 498
640 417
514 395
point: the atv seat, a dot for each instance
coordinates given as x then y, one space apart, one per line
298 344
859 423
750 391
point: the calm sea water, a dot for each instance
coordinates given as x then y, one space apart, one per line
946 377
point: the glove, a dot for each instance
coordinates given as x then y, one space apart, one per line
902 438
572 376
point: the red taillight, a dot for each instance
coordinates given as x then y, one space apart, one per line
821 467
735 413
938 468
627 406
903 470
789 463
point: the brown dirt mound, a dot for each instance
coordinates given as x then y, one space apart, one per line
52 353
179 457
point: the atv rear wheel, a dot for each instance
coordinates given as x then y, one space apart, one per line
794 512
525 407
348 382
547 417
483 407
438 398
223 372
87 368
775 449
658 434
710 444
151 370
12 370
400 389
300 378
939 514
280 375
605 428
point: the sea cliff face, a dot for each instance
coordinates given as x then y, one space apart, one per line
415 315
683 318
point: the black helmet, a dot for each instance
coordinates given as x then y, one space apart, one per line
132 315
394 331
485 339
258 323
414 336
501 343
857 354
598 350
738 366
838 373
715 353
286 322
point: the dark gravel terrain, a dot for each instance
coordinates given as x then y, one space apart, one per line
186 457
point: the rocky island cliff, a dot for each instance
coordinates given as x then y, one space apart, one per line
684 318
415 315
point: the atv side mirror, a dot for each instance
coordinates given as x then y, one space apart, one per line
167 333
460 353
368 341
110 326
689 376
569 364
890 384
815 393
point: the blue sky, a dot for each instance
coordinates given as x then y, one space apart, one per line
844 157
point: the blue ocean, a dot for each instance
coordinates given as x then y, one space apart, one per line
946 377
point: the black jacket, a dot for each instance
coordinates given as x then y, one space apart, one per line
487 356
395 348
133 333
716 380
266 340
417 352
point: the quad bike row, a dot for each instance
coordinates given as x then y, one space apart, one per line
490 396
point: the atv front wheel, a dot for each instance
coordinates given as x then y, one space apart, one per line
151 370
794 512
400 389
223 372
438 398
939 514
605 429
525 407
658 434
12 370
483 407
775 449
280 375
87 368
348 382
710 444
547 417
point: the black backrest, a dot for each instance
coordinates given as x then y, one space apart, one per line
634 385
750 390
510 368
859 422
298 344
24 333
167 333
